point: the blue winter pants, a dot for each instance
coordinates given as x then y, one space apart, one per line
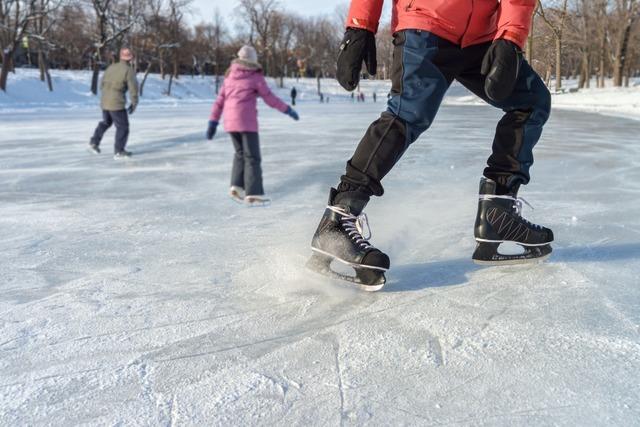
424 66
121 119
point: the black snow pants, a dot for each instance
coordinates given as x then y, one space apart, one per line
424 66
121 120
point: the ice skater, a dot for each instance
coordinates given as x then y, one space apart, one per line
237 99
294 93
118 79
435 42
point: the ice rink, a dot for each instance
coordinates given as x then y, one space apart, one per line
137 293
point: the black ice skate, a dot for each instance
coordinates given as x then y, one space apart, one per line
498 221
339 237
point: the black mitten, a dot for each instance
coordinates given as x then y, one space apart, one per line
358 45
500 66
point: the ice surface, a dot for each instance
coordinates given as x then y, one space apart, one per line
136 292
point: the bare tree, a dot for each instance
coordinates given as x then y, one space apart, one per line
15 17
556 23
44 19
627 14
260 15
108 29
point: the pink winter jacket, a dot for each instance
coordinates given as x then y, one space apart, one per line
238 98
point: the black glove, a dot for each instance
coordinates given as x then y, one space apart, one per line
211 129
500 66
131 108
357 45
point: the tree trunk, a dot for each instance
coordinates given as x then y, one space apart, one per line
170 84
621 56
144 79
163 72
41 64
48 76
175 64
603 44
584 71
4 72
558 63
96 73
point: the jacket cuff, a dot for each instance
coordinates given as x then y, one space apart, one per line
512 36
363 24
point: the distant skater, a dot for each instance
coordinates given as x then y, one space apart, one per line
243 83
375 97
118 79
294 93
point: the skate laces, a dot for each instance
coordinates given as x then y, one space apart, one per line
518 205
355 226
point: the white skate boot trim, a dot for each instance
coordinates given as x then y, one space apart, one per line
256 201
511 241
350 264
236 193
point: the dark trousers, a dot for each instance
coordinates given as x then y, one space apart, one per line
424 66
247 172
121 120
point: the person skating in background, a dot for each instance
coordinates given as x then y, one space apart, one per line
118 79
237 102
294 93
435 42
375 97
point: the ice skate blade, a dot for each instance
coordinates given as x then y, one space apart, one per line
366 279
257 204
487 254
238 200
92 150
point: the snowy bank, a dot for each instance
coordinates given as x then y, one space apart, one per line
71 90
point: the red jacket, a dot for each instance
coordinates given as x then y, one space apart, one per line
464 22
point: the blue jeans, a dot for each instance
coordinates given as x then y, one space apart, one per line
424 66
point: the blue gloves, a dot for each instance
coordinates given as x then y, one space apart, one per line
211 129
292 113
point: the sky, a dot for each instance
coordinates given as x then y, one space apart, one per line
204 9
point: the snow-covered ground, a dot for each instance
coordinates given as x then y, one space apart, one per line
27 93
137 293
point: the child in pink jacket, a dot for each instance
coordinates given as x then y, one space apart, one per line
243 83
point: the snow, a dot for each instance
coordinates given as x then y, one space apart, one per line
71 90
136 292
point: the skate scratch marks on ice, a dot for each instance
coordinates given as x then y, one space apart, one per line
173 415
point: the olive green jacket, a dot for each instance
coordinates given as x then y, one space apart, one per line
118 78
